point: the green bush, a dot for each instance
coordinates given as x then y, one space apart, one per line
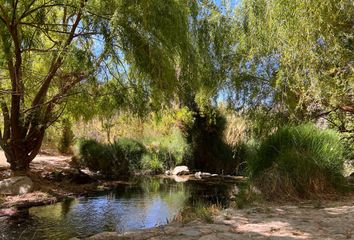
113 160
241 151
165 151
298 161
151 162
132 151
209 151
91 154
66 138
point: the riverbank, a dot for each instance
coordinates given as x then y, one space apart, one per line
306 220
328 220
54 179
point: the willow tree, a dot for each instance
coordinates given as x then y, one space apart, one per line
50 49
202 74
299 54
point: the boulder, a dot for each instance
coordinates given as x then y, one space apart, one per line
16 185
180 178
180 170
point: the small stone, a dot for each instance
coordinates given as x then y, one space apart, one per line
198 175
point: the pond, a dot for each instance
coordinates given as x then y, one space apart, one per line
149 202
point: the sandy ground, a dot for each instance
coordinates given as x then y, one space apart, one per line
3 162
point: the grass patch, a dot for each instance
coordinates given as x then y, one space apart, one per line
298 162
199 210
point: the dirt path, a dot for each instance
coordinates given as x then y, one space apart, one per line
266 222
3 162
48 161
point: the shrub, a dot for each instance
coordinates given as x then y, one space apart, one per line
165 151
132 151
119 158
91 154
298 161
151 162
209 150
67 137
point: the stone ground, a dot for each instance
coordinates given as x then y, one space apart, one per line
281 223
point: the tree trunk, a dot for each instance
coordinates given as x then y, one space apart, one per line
20 153
18 159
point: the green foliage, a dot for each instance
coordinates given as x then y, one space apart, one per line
300 161
132 151
113 160
51 51
210 152
153 162
264 122
297 53
67 137
92 154
172 143
166 151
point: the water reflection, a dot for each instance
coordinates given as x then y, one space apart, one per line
150 202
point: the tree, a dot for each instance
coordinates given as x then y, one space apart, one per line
206 70
298 54
51 49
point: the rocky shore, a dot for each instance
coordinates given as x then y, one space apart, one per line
334 220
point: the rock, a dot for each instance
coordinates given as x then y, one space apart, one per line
180 178
168 173
106 236
16 185
205 174
199 175
190 233
180 170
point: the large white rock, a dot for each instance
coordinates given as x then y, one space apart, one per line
180 170
16 185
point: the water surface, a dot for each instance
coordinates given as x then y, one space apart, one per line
148 203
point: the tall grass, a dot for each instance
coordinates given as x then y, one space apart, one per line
298 161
